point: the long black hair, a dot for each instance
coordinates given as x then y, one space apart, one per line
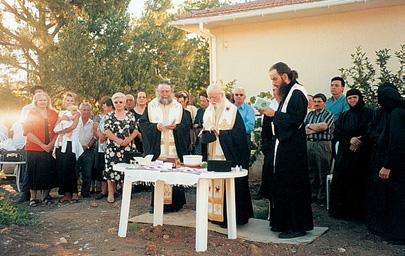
283 68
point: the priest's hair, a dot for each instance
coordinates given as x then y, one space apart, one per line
215 87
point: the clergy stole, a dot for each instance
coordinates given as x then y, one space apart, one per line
221 117
284 110
166 115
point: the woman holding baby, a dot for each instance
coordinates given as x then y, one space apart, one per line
68 148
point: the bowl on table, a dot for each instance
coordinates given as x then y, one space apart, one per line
144 160
192 160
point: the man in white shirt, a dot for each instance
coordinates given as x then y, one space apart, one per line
86 160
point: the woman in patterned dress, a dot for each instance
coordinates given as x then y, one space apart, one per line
120 129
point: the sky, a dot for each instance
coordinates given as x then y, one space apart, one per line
135 7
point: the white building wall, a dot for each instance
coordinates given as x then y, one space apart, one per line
314 46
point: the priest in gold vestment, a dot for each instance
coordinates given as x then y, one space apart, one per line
223 119
165 130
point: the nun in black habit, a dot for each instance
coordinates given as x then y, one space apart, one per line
350 175
386 212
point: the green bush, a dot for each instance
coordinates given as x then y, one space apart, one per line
367 76
10 214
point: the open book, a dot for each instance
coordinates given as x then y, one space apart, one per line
262 103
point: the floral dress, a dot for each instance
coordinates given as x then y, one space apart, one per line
115 153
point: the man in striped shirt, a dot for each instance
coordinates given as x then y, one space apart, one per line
319 129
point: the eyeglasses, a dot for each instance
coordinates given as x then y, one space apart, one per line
237 94
120 102
130 100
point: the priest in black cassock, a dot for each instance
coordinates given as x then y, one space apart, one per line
223 119
291 212
165 129
386 216
268 143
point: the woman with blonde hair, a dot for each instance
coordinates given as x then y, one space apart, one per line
121 130
41 168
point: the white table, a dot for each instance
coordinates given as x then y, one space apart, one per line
17 171
180 178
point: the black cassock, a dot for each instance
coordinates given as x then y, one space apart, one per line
199 122
351 172
138 141
386 212
151 137
290 192
268 142
234 145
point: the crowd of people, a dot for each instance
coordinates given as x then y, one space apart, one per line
302 135
368 182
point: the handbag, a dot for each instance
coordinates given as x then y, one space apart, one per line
219 165
11 156
208 137
130 155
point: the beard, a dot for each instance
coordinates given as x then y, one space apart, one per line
218 104
165 101
284 89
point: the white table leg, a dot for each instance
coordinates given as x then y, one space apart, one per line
201 218
17 176
231 207
125 203
158 203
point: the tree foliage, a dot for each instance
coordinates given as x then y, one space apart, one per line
90 56
93 48
364 76
26 45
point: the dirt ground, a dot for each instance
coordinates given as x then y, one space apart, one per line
90 228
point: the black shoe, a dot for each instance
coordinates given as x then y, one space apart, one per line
24 198
223 225
85 194
258 197
291 234
100 196
275 229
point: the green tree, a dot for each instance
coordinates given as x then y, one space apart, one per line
92 51
365 77
26 45
198 77
158 50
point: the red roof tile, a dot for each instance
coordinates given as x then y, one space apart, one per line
242 7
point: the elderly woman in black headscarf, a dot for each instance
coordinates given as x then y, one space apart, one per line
386 216
348 188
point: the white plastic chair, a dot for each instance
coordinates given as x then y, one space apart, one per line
329 177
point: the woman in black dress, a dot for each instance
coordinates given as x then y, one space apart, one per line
41 166
141 102
121 130
349 183
386 215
